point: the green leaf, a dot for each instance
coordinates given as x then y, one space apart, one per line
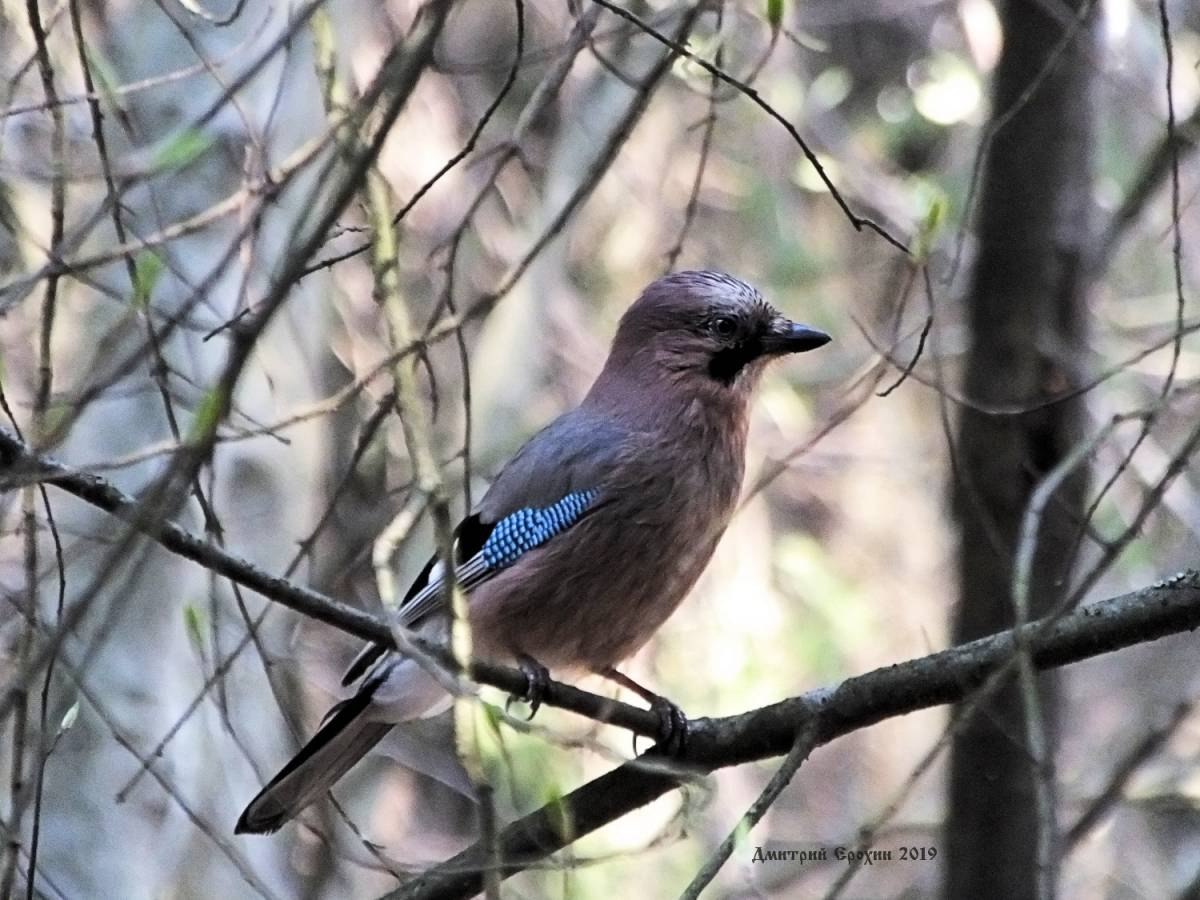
58 416
193 623
558 812
775 13
146 269
492 717
931 226
182 150
105 77
208 414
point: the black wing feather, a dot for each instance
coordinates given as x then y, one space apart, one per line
574 452
470 536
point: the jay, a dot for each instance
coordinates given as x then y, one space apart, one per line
591 536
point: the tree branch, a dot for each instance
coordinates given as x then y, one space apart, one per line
950 676
1168 607
19 465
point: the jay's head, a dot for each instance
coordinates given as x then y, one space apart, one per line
708 325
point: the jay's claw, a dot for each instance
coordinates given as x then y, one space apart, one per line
537 680
673 726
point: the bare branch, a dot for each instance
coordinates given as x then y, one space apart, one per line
950 676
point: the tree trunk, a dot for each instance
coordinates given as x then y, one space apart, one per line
1027 325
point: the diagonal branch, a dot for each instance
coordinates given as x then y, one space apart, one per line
1168 607
741 87
19 465
950 676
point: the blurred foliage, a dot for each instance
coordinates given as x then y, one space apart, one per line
841 564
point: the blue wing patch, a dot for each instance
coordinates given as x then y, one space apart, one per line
521 531
510 538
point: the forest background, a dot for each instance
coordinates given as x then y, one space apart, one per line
244 244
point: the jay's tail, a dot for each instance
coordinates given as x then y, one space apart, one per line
345 738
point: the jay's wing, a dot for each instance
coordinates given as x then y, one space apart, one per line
551 483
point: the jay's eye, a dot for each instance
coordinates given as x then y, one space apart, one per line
724 326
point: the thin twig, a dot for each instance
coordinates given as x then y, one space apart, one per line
859 222
949 676
805 742
706 140
1125 769
41 405
1177 243
1036 738
999 122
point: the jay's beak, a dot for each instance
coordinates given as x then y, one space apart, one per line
786 336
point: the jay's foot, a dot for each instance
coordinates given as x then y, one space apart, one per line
673 725
537 680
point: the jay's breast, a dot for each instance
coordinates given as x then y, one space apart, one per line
595 594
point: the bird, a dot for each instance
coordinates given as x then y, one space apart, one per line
590 536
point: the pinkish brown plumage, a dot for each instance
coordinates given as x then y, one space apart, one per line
595 531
